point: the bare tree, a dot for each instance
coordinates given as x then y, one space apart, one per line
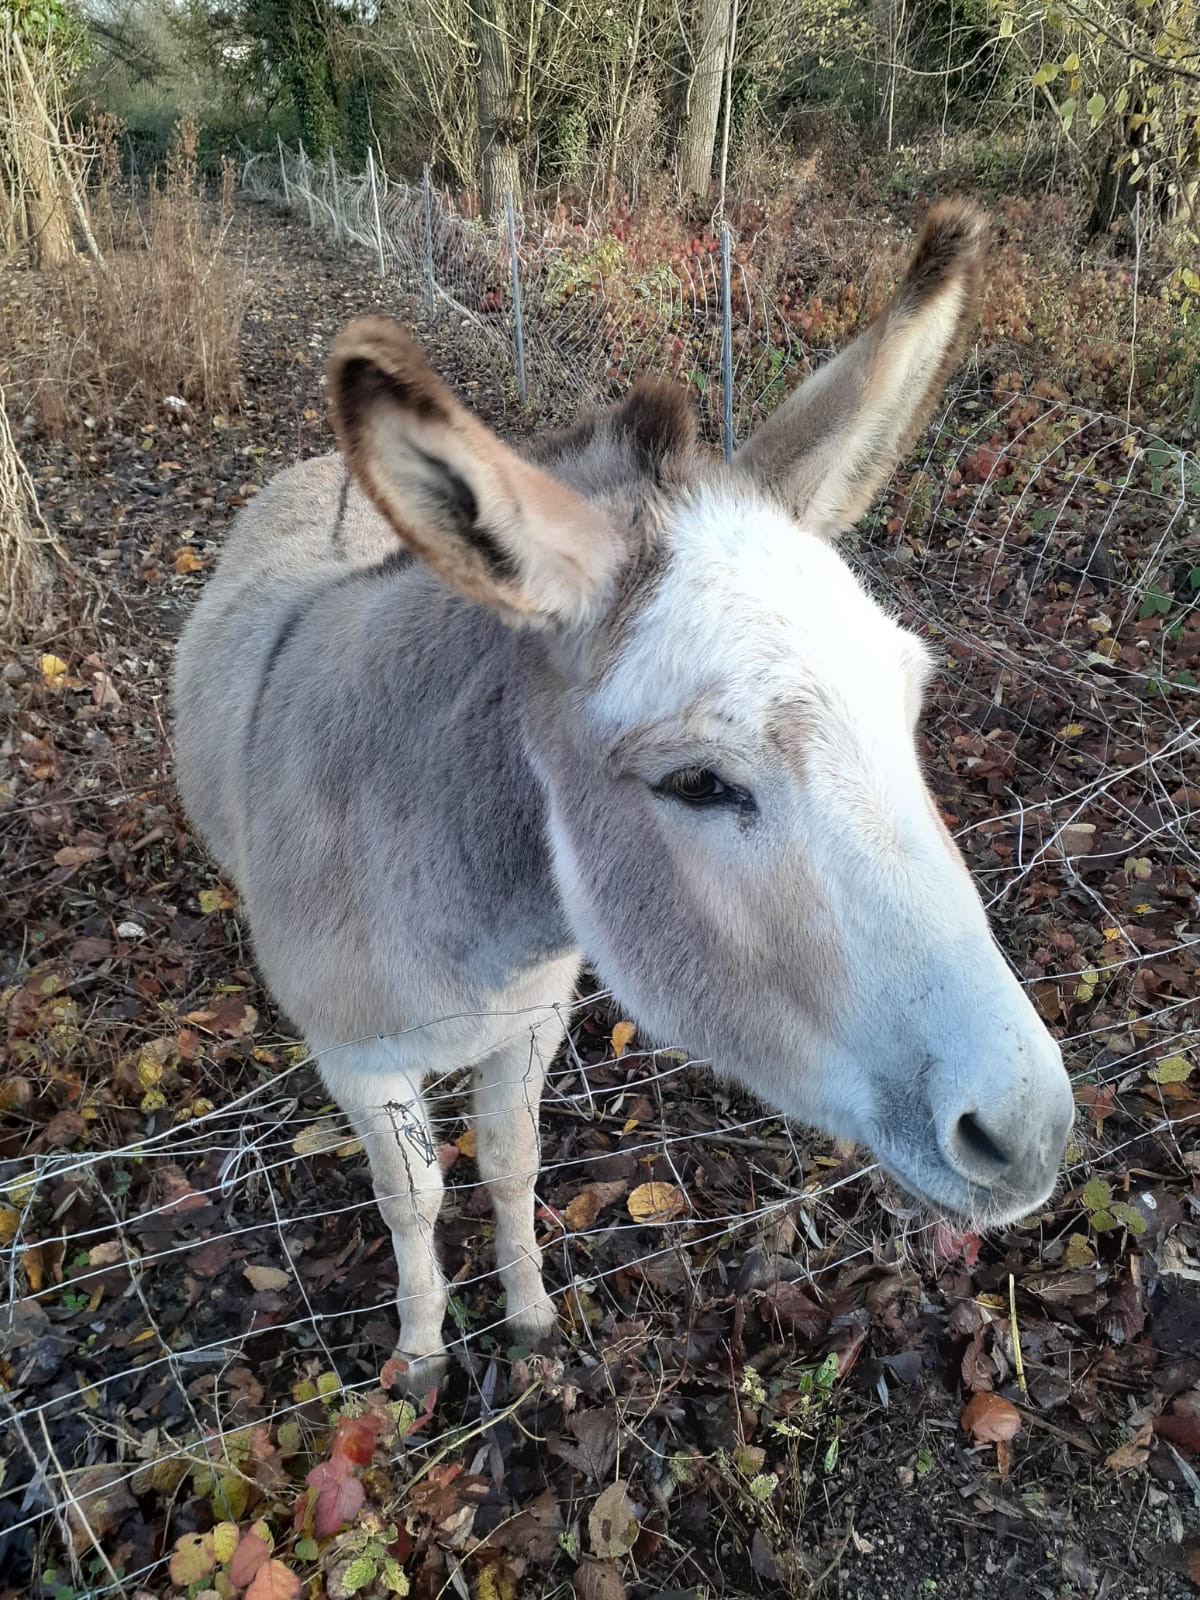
39 183
707 23
502 128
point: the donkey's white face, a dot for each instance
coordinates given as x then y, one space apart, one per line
747 849
723 724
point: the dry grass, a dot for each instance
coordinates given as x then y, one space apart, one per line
160 314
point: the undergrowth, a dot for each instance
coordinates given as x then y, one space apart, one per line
157 320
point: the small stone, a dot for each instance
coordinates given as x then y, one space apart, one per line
13 672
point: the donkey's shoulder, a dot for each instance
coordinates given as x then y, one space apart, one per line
308 515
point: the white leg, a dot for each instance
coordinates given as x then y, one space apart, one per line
507 1092
385 1107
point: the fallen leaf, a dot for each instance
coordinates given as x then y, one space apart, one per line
218 899
77 855
990 1418
622 1037
466 1144
229 1014
1171 1069
319 1137
612 1522
581 1211
596 1580
274 1581
225 1538
656 1202
186 560
193 1558
1134 1453
54 671
252 1551
267 1277
101 1497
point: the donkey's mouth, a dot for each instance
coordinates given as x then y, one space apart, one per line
930 1184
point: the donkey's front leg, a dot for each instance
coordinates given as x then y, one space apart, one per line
385 1107
507 1094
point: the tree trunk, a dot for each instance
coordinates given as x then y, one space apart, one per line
701 106
500 126
42 203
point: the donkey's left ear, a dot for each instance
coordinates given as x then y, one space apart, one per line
828 449
490 524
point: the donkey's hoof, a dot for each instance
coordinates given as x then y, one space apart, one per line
535 1324
416 1375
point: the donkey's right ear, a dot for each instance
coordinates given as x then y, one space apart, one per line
491 525
827 451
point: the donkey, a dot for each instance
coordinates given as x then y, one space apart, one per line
454 717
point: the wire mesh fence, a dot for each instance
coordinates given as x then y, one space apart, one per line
588 322
169 1294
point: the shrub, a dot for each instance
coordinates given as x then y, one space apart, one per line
159 315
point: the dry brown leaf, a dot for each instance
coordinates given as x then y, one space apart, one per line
580 1212
1134 1453
101 1499
595 1580
622 1037
612 1522
990 1418
77 855
266 1277
656 1202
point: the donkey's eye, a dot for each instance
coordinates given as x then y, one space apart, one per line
700 786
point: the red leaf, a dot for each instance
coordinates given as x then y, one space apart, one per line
990 1418
274 1581
355 1438
338 1503
300 1515
950 1243
1181 1427
249 1556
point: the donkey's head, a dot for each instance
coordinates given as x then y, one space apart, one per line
723 722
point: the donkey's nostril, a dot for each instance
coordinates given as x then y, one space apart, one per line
976 1145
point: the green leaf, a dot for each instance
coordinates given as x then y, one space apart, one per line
1172 1069
1067 112
306 1550
357 1575
394 1575
1045 74
1096 107
1097 1195
1132 1218
1006 25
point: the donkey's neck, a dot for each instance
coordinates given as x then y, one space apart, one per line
464 805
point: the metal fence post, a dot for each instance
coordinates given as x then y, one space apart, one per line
427 207
306 179
287 194
726 348
375 208
335 204
518 328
